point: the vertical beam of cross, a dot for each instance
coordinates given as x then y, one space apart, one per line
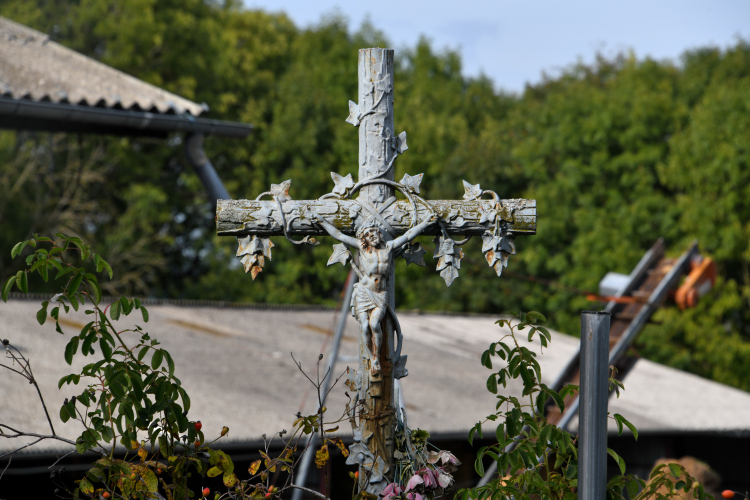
377 150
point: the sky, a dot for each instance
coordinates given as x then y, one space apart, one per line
514 41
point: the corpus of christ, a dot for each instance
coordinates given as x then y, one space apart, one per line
368 217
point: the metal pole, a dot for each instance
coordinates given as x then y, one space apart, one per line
592 425
312 439
205 170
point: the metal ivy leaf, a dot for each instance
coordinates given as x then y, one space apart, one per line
455 216
414 254
353 117
254 251
412 183
384 84
449 260
262 216
340 254
397 214
281 191
471 191
488 215
497 249
401 144
449 274
342 183
254 245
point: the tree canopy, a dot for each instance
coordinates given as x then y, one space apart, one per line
617 154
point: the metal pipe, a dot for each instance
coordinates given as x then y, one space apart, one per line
312 439
592 426
203 167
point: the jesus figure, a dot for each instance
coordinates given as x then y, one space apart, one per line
370 296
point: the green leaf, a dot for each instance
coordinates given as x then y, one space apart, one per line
96 290
22 281
214 471
156 359
492 383
500 433
41 314
114 310
675 469
6 288
479 466
70 350
86 487
534 316
142 353
628 424
618 459
126 305
108 268
17 249
486 359
558 400
106 349
107 434
75 283
145 313
64 415
170 362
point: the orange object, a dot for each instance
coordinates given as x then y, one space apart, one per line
697 284
727 494
618 300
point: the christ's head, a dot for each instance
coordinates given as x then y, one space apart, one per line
371 238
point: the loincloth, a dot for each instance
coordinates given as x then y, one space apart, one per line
365 300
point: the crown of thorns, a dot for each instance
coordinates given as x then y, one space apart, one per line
371 224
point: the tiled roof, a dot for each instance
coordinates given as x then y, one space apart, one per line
34 67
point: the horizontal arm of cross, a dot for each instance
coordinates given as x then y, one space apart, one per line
458 217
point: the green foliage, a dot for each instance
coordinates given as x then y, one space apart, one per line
616 154
131 395
535 458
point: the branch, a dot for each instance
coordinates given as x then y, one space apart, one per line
308 490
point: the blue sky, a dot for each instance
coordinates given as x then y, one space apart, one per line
514 41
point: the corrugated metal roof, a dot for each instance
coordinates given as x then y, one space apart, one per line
36 68
236 365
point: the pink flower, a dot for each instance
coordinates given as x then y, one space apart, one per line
391 491
414 496
445 480
415 480
448 457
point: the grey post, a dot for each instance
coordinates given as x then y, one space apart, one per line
592 426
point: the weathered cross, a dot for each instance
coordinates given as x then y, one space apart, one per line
381 228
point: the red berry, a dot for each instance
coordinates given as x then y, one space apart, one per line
198 425
206 491
727 494
106 495
268 495
271 489
356 475
158 471
197 444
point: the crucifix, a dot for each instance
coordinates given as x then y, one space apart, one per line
380 227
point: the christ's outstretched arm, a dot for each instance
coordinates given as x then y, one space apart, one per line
331 229
411 233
